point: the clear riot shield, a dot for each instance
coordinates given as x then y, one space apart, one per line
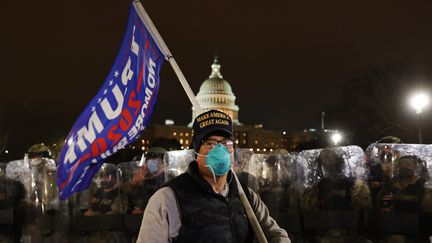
354 163
18 172
42 210
128 171
281 183
241 166
177 161
141 180
98 210
6 206
400 180
336 193
43 189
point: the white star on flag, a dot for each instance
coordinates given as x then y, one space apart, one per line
110 82
105 91
93 108
99 100
116 73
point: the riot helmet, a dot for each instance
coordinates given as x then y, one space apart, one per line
276 156
108 176
275 164
153 159
331 163
409 166
389 139
37 152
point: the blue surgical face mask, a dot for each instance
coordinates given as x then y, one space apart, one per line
152 165
219 160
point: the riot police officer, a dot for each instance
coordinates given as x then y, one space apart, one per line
274 187
243 157
336 190
43 202
11 195
381 169
104 208
104 193
147 179
406 193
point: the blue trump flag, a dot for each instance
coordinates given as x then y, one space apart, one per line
117 114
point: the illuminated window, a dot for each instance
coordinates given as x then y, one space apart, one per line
186 141
236 141
181 140
244 141
174 133
181 134
187 134
256 141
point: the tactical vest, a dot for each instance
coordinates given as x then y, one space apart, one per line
102 201
405 200
207 216
145 190
335 194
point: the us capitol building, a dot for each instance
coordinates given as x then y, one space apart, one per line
216 93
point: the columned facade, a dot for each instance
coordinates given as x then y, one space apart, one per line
216 93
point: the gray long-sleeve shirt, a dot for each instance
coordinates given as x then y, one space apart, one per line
162 223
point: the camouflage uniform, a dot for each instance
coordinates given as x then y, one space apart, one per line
147 179
406 194
381 171
336 191
105 199
274 188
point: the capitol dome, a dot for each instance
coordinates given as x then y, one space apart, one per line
216 93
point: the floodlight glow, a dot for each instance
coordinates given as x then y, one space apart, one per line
419 101
336 137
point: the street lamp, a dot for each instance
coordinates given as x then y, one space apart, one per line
419 101
336 138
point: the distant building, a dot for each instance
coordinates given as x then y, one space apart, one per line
216 93
314 138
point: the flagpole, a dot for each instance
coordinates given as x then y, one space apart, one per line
164 48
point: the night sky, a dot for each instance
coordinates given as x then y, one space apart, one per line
285 60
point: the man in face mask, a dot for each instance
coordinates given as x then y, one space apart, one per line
203 204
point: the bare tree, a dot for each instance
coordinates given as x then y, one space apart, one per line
372 106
